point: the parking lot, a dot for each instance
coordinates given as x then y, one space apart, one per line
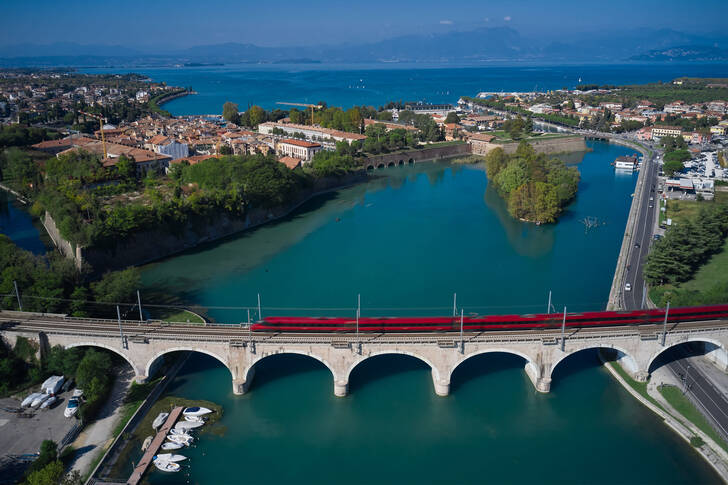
24 435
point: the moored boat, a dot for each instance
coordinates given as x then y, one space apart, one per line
195 419
147 442
159 420
187 425
169 446
183 439
170 457
196 411
166 466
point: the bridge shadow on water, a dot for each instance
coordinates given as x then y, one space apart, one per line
381 367
277 367
577 363
484 365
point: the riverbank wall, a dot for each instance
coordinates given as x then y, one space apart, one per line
154 244
548 146
414 156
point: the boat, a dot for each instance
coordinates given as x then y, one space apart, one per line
39 400
170 457
71 407
48 402
147 442
196 411
166 466
169 445
159 420
77 393
187 425
195 419
179 432
182 439
29 400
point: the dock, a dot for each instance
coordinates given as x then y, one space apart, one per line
161 435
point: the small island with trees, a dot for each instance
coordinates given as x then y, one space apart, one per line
536 188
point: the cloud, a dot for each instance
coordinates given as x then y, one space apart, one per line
507 18
446 22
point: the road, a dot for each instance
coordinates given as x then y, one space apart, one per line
712 401
641 238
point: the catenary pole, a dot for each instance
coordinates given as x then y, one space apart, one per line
454 305
563 330
139 302
260 313
462 342
548 307
121 332
664 324
17 295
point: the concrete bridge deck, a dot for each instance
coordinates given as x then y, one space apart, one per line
144 344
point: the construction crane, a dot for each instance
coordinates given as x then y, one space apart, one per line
101 128
306 105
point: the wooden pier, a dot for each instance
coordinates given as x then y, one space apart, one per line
146 460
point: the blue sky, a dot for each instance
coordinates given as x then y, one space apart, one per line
182 23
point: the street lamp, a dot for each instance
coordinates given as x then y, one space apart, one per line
685 381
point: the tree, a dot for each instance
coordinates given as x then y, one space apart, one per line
672 166
119 286
452 117
226 150
50 474
230 112
257 115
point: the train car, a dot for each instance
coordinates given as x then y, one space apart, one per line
489 322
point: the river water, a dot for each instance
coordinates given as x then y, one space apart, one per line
408 240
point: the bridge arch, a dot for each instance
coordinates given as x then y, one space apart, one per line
249 372
370 167
719 346
390 164
137 368
380 165
623 357
435 371
150 363
529 361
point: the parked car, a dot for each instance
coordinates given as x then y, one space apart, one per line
627 287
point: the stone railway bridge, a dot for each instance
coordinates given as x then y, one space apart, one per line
144 344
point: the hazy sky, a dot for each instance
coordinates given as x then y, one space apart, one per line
182 23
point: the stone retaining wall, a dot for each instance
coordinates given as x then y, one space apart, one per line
414 156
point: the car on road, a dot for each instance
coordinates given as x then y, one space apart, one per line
637 245
627 287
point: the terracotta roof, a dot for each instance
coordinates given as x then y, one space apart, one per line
290 162
300 143
481 137
159 140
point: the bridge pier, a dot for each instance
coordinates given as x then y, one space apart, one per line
442 385
543 385
241 386
140 379
341 388
641 376
716 356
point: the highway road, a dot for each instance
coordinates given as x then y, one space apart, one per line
712 402
641 238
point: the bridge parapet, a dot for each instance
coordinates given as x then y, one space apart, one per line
143 345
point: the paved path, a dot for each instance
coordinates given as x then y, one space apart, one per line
98 435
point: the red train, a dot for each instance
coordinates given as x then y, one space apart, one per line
490 322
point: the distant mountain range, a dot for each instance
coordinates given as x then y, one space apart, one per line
685 53
501 44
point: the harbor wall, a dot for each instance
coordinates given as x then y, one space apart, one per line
419 155
150 245
548 146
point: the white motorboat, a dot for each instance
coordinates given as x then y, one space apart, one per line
147 442
183 439
71 407
195 419
48 402
29 400
170 457
77 393
159 420
169 446
166 466
179 432
39 400
187 425
196 411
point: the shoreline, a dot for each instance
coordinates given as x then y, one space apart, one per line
679 428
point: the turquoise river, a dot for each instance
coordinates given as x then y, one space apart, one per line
406 241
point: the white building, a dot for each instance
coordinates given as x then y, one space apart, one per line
169 146
300 149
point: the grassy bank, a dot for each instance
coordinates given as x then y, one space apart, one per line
685 407
640 387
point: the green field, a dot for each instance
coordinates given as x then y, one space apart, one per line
682 405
